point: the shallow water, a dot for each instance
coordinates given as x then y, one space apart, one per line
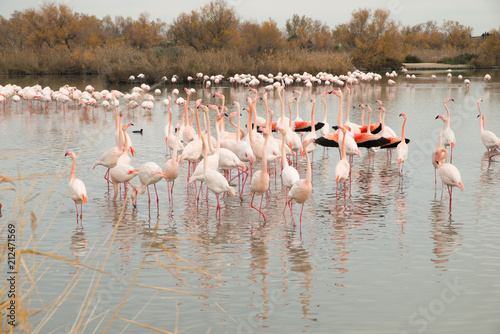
389 257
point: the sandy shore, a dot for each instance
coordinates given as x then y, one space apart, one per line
432 66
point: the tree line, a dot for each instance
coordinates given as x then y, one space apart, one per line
371 38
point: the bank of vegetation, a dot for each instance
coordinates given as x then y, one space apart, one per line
214 40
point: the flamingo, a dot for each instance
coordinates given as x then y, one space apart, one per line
489 139
439 146
171 170
448 134
76 187
342 168
123 172
289 174
402 148
386 131
193 150
302 188
326 128
297 117
448 173
353 126
260 179
214 180
124 158
149 174
311 136
110 157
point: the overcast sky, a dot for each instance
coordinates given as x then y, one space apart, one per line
481 15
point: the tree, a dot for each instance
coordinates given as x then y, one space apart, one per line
374 41
457 35
260 38
143 33
51 26
213 27
305 33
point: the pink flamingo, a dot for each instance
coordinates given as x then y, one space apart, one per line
76 187
448 173
302 188
489 139
402 148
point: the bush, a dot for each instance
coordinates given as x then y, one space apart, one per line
412 59
462 59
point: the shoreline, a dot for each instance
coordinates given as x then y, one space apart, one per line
434 66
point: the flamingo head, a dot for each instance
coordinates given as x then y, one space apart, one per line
403 115
312 100
448 100
71 154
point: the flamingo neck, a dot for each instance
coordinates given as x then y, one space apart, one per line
340 112
368 130
309 168
72 174
313 126
125 151
383 122
343 146
297 108
440 138
249 124
120 138
363 117
283 155
197 121
290 112
348 106
282 106
403 131
264 154
326 111
447 114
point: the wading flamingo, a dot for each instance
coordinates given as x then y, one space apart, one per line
489 139
402 148
438 148
342 167
302 188
448 173
448 134
76 187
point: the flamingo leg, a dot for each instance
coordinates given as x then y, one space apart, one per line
157 198
301 210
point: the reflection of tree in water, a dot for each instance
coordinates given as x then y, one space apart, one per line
445 233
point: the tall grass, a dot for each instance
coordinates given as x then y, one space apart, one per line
33 266
117 63
434 55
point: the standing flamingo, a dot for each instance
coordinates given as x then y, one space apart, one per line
171 170
149 174
302 188
260 179
342 169
489 139
448 173
76 187
123 172
214 180
289 174
402 148
439 146
448 134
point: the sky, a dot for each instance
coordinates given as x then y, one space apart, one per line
481 15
